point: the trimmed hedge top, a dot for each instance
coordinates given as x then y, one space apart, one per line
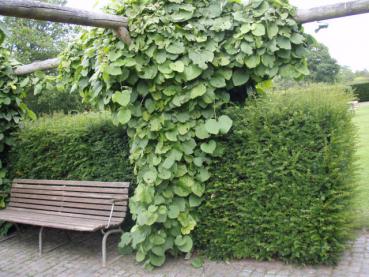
361 90
282 188
80 147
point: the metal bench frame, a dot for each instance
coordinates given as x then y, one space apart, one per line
113 219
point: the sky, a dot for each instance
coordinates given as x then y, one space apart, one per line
347 38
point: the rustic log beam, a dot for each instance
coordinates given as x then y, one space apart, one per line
44 11
332 11
302 16
36 66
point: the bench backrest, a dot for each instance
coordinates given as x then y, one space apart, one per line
83 199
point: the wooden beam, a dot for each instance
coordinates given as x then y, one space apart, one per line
44 11
37 66
332 11
12 8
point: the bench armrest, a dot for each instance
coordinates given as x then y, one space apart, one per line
114 200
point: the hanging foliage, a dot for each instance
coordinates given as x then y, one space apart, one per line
169 87
12 110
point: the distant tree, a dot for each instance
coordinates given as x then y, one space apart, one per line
31 40
323 68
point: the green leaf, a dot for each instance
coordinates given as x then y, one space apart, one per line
177 66
113 70
157 260
191 72
176 47
201 57
258 29
208 147
124 115
150 176
184 244
272 30
240 77
122 98
198 262
203 175
225 124
284 43
194 201
173 211
212 127
297 38
201 132
172 135
218 81
252 62
197 91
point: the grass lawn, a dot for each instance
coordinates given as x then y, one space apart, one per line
362 198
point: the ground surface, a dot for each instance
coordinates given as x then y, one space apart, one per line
81 257
362 196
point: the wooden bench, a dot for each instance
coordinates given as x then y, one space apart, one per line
68 205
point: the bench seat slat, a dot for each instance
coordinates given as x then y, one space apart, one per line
74 183
70 199
71 188
68 193
86 216
53 221
65 209
118 207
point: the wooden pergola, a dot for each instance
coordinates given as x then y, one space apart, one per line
48 12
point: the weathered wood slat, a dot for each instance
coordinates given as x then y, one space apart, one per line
118 208
50 218
63 224
73 183
71 199
71 188
69 193
83 216
65 209
70 205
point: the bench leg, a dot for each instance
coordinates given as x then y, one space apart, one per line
40 241
106 235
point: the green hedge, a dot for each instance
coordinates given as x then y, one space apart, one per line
79 147
361 90
283 186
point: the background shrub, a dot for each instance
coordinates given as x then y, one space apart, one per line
79 147
361 91
283 186
49 102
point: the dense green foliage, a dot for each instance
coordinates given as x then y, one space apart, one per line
283 186
12 110
49 102
361 91
323 68
168 86
80 147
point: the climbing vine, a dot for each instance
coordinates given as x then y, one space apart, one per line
186 61
12 110
169 86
